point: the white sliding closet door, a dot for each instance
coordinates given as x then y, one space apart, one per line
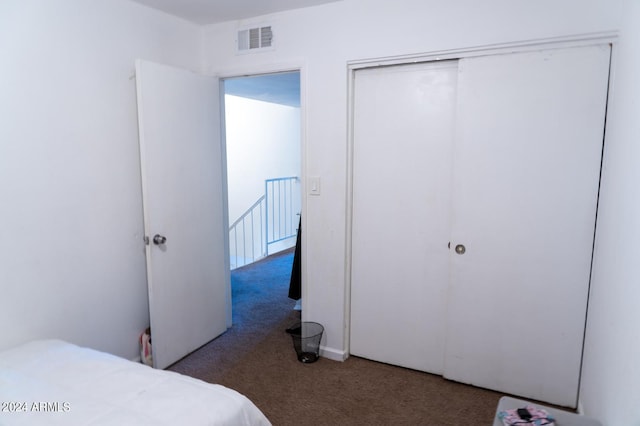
525 190
403 136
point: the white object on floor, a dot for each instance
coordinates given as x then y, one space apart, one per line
298 306
562 418
50 382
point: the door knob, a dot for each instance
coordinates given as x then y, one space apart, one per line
159 239
460 249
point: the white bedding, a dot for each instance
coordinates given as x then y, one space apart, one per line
51 382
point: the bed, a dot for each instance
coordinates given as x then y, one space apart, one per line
51 382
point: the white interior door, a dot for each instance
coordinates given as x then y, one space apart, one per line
403 137
527 161
184 201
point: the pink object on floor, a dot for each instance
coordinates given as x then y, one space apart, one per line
539 417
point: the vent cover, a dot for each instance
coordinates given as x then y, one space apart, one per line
258 38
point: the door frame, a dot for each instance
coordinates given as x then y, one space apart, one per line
436 56
251 71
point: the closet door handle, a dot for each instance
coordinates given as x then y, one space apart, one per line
159 239
460 249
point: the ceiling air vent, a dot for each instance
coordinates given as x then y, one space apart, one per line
252 39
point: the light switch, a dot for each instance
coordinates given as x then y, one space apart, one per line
314 185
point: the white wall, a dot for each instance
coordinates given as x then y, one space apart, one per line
263 142
71 255
325 38
611 371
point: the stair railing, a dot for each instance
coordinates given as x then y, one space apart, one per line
246 235
271 219
280 205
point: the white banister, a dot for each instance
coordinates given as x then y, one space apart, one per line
271 219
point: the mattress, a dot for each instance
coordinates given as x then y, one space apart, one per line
51 382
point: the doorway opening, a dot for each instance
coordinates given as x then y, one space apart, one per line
262 123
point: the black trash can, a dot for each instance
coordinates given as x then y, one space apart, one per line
306 340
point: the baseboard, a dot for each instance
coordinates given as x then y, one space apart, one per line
136 359
332 354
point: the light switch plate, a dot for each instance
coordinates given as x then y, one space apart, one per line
314 185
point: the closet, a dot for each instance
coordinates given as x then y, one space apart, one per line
475 189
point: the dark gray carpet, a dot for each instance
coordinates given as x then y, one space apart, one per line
259 304
256 357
